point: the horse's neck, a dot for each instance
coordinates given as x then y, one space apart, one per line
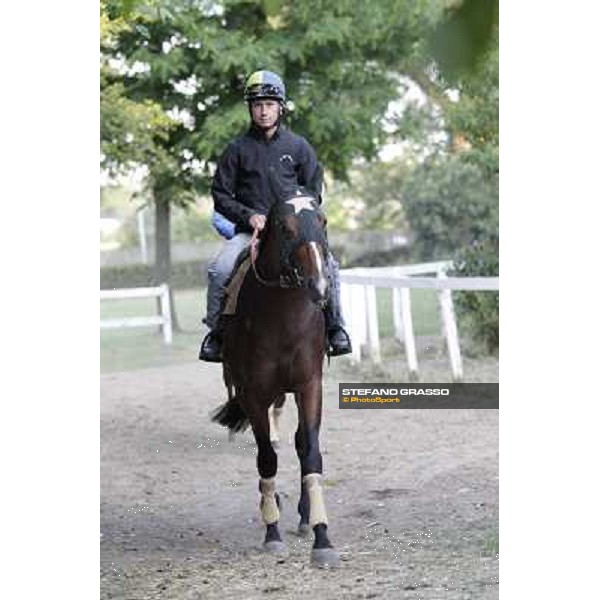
269 261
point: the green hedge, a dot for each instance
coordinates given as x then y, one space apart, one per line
377 258
193 274
480 311
184 275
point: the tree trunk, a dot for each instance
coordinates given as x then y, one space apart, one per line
162 262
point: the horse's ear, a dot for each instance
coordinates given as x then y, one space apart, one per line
322 218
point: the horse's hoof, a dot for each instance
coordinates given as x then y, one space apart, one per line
325 558
303 529
275 547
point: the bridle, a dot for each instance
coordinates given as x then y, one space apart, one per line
291 276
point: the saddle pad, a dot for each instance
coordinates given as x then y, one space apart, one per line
233 288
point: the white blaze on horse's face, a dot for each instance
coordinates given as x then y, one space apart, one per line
321 283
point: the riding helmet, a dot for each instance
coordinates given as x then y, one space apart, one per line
264 84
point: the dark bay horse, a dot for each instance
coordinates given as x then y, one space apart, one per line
275 343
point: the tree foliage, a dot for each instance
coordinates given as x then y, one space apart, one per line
173 71
450 199
334 58
128 128
463 36
450 204
370 198
480 311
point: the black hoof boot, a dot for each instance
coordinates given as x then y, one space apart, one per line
339 341
323 554
273 543
210 350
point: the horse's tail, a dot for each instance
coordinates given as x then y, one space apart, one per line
231 415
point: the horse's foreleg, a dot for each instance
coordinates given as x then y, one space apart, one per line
303 503
312 503
266 462
275 413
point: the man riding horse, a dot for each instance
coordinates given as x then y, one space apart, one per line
241 192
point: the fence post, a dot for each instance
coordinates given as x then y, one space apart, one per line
359 300
409 338
142 235
349 310
450 330
165 309
372 324
397 313
358 319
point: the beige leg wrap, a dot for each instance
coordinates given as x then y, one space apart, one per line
315 497
268 504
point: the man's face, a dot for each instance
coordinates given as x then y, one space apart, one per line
265 113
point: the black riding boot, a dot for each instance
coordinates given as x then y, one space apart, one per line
337 337
210 349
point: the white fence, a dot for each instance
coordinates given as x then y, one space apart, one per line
163 319
359 306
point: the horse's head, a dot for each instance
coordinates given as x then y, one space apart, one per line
298 225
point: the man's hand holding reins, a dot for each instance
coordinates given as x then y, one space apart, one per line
257 221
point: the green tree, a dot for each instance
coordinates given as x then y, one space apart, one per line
136 131
128 128
185 62
370 198
452 200
450 204
475 117
447 186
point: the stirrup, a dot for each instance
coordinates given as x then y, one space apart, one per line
210 350
341 345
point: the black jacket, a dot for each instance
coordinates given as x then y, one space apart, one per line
240 187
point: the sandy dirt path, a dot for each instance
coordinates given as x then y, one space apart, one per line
412 498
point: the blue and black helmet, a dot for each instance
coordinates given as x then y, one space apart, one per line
264 84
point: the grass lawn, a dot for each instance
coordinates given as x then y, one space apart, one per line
139 347
135 348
